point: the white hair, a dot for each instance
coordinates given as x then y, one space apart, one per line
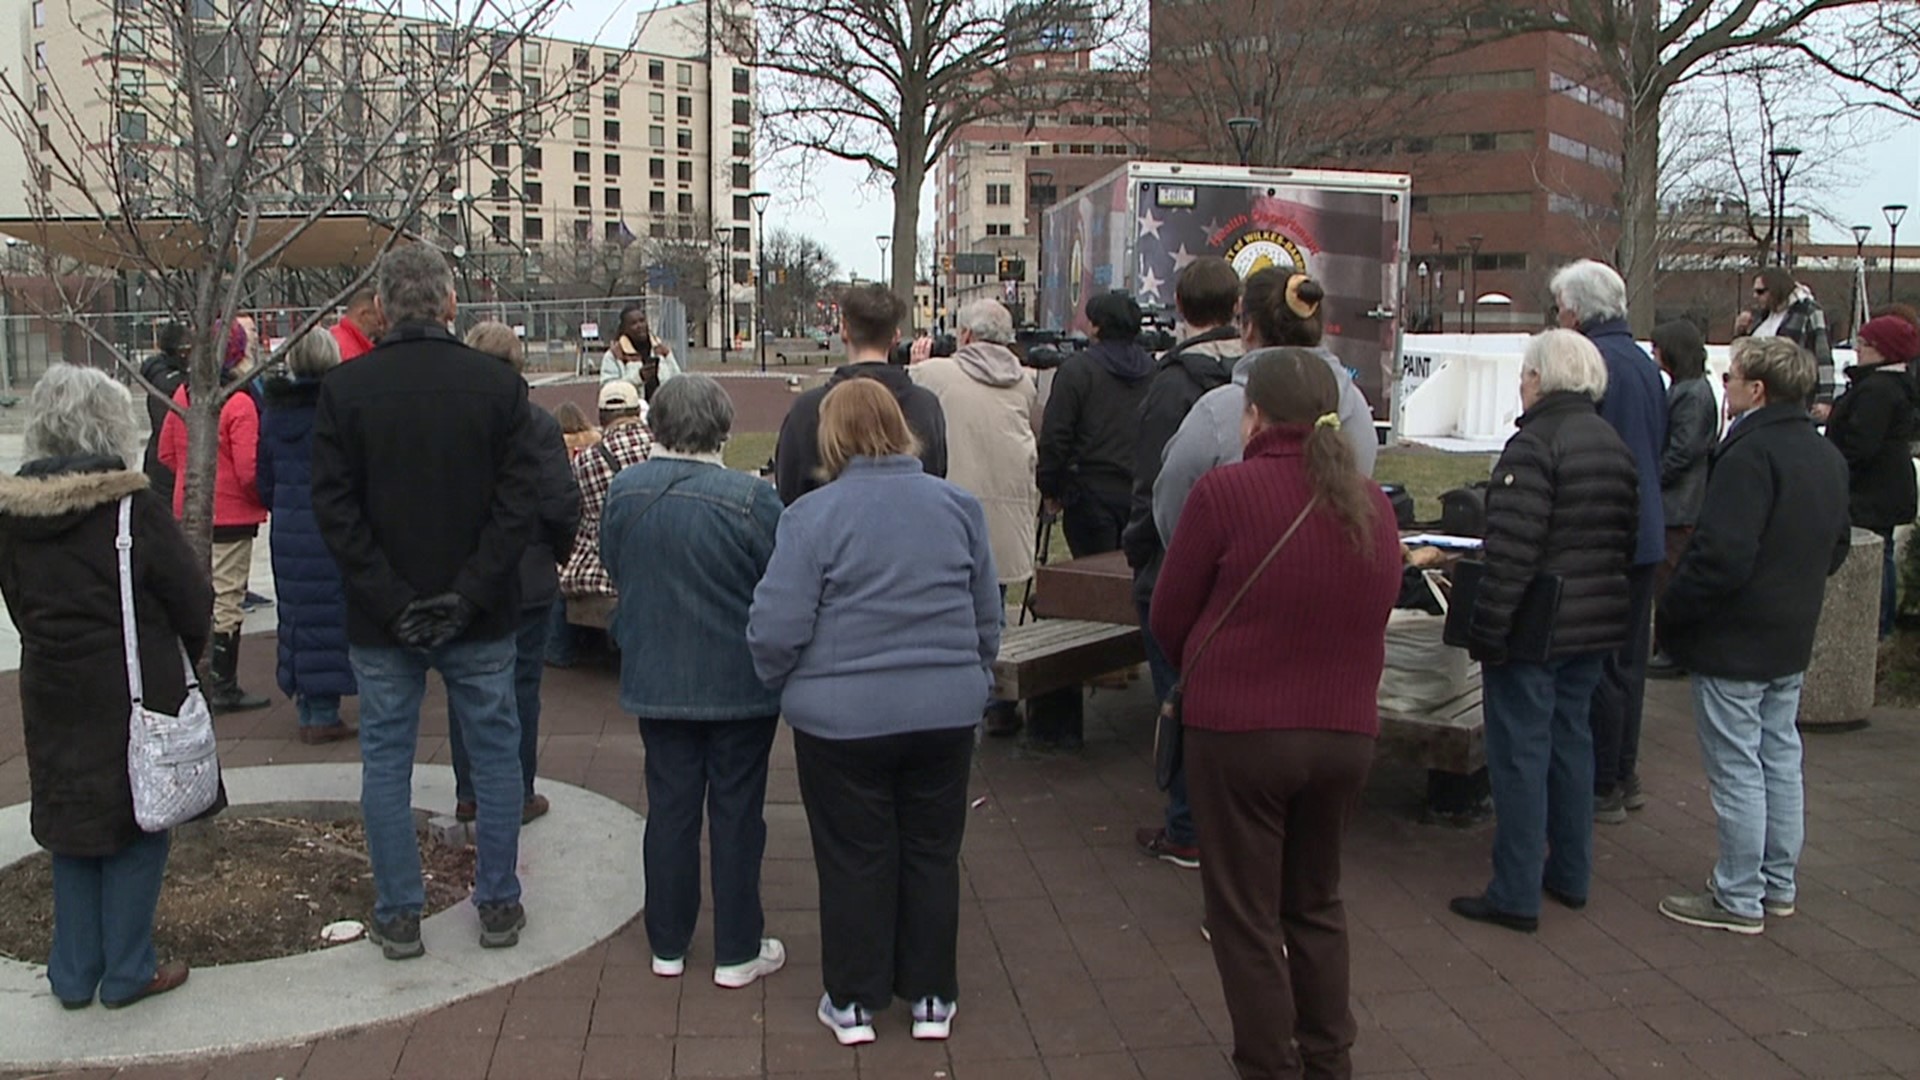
1591 290
313 354
986 320
1566 361
79 412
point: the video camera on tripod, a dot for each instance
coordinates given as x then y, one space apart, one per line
1047 349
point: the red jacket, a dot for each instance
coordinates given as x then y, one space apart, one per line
236 497
352 342
1305 647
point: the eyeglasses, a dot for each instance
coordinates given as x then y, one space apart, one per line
1728 378
1759 292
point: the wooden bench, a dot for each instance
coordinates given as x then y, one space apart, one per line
1052 654
1450 738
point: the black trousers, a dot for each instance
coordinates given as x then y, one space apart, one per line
1093 521
887 816
1617 701
723 765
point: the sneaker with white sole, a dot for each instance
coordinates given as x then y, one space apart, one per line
852 1026
1778 909
669 969
933 1018
773 957
1704 910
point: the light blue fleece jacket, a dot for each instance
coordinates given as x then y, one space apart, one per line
879 613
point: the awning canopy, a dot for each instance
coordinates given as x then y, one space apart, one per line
169 243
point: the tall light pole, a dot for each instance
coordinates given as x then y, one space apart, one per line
1896 213
1860 234
1243 129
1420 317
760 199
1473 281
1466 262
1784 159
726 294
1040 193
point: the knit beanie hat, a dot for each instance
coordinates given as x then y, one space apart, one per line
236 347
1893 338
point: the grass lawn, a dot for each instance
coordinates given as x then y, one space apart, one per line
751 450
1428 474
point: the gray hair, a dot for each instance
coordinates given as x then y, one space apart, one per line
987 320
1780 364
1591 290
312 355
496 338
416 285
692 414
1566 361
80 412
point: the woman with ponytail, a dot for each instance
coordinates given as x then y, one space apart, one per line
1278 696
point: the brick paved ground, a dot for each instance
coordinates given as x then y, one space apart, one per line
1081 959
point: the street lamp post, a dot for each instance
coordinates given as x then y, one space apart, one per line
1473 281
759 200
1784 159
726 295
1466 261
1420 318
1860 234
1243 129
884 241
1040 193
1895 213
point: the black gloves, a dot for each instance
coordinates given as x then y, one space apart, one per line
433 621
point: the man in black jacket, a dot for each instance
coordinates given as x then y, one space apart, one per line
1206 293
869 323
1087 432
1740 614
427 492
165 370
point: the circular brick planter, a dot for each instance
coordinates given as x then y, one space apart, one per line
579 866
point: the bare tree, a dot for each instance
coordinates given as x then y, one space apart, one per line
685 266
1644 50
888 83
219 141
798 269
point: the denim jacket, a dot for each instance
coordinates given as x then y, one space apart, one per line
686 541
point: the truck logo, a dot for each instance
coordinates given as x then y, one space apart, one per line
1260 249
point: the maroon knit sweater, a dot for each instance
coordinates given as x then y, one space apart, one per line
1305 647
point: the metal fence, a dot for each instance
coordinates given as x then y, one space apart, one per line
560 335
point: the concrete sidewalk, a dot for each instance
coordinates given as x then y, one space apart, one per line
1081 958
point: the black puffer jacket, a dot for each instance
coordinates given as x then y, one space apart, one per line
1873 427
1087 431
1564 499
1746 597
1182 376
60 573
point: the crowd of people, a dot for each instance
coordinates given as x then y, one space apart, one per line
425 516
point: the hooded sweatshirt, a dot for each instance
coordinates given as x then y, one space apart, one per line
1210 435
1183 375
987 399
796 457
1087 433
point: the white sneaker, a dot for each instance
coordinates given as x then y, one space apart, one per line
773 957
933 1018
669 969
852 1025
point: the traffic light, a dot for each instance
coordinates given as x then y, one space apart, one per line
1012 269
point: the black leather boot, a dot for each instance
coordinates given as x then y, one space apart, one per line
222 685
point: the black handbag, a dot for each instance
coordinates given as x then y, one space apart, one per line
1530 638
1168 742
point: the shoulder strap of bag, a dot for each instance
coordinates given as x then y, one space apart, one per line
129 630
1251 578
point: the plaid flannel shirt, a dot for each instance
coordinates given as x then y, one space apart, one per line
594 469
1806 326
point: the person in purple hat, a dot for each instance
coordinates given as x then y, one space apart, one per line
1872 425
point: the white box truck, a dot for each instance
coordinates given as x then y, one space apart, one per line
1138 227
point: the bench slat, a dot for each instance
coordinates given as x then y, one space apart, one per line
1054 653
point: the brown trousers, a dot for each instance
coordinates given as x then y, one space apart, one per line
1271 807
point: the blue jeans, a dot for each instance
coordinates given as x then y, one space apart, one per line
1540 763
1179 812
103 921
1751 751
317 710
723 764
529 664
563 644
479 679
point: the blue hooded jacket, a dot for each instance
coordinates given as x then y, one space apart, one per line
1636 406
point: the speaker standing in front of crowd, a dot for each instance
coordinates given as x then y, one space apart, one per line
685 540
427 491
879 621
59 519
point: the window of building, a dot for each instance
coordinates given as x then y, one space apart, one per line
500 82
656 135
743 144
657 229
581 58
133 126
999 194
742 208
684 203
582 128
611 128
39 12
742 176
657 202
612 164
502 227
582 161
530 53
531 157
581 100
743 112
684 171
742 81
611 197
583 229
610 63
610 97
533 86
657 70
40 98
449 224
40 54
742 238
533 191
615 232
500 188
683 106
532 229
999 229
657 104
683 139
46 138
656 168
500 152
583 196
742 272
133 81
1419 145
683 74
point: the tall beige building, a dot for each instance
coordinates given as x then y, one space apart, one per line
545 156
